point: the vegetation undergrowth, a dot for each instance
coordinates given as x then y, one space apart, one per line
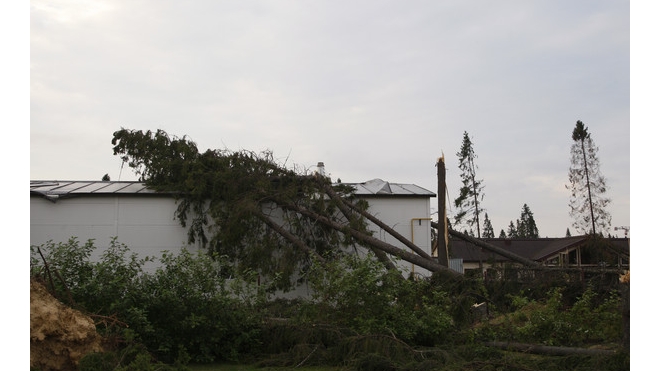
199 309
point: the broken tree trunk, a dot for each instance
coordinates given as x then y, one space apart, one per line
346 211
372 242
341 203
443 253
289 236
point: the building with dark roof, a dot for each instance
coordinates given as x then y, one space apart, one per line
573 252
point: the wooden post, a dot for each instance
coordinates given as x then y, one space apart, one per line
443 254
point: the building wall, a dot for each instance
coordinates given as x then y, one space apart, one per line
147 224
410 217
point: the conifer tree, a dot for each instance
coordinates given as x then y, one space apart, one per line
512 232
568 232
468 203
502 233
587 201
526 224
488 227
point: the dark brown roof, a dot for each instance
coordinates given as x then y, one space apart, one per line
538 249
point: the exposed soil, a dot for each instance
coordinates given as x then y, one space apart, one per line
59 336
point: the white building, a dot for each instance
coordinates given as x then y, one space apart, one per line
145 221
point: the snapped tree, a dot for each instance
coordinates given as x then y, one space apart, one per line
468 203
262 216
587 185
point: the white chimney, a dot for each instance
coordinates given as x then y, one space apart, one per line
320 169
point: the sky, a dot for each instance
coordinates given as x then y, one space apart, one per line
374 89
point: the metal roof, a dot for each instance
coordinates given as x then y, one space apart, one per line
379 187
55 189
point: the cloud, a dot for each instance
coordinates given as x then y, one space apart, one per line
373 89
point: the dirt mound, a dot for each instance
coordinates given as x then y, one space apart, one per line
59 335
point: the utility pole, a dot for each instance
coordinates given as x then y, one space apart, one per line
443 254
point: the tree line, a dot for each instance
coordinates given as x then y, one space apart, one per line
588 202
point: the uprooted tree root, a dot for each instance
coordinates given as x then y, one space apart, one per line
59 336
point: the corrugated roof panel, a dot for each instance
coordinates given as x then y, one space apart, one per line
92 187
87 187
380 187
375 187
68 187
135 188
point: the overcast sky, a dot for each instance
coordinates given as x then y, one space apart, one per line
374 89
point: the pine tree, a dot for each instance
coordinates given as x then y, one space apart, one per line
526 224
488 227
568 232
512 232
502 234
471 193
587 201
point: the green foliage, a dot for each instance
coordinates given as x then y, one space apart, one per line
488 228
589 320
526 226
188 306
202 309
380 301
243 205
512 231
468 202
133 357
196 308
588 186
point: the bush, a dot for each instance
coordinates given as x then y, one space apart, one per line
379 301
590 320
187 306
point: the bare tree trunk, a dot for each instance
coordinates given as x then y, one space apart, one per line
586 173
289 236
342 203
493 248
372 242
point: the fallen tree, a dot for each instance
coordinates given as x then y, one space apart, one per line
254 211
547 349
492 248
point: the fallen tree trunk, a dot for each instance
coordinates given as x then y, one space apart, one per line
373 242
548 350
493 248
342 203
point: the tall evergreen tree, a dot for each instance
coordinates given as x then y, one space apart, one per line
467 204
488 227
512 232
587 201
526 224
502 234
568 232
